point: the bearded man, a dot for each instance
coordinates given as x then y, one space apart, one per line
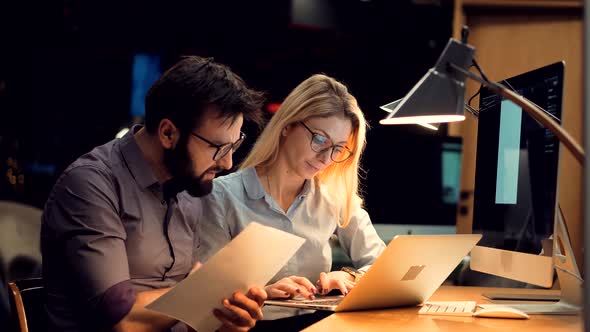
120 227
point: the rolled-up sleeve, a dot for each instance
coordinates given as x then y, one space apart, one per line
84 217
360 240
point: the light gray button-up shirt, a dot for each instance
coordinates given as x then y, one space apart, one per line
239 198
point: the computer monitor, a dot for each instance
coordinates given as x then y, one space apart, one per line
516 179
413 171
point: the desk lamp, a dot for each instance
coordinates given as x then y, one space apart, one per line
439 97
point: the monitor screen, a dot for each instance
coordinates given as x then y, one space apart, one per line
406 173
517 164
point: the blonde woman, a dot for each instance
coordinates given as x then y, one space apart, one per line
301 177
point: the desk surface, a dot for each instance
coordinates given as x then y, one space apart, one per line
407 319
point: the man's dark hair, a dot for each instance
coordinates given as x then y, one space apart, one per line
182 92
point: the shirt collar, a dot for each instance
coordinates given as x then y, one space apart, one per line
308 188
252 183
254 188
136 163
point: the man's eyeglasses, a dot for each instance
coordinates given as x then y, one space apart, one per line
320 144
222 149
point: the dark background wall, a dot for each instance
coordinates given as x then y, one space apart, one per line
65 79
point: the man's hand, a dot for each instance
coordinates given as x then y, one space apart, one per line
290 287
195 267
244 310
335 280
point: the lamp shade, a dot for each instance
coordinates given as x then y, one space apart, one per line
440 95
391 106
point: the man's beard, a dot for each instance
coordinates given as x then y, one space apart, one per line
179 164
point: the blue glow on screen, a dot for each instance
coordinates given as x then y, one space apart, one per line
508 153
451 172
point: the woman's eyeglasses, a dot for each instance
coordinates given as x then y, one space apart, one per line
320 144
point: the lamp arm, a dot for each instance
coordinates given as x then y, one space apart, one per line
472 110
546 121
534 111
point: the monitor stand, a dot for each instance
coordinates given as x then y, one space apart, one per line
570 301
550 297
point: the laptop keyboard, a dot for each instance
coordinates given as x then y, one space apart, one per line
449 308
323 301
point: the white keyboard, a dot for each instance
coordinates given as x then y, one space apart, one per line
449 308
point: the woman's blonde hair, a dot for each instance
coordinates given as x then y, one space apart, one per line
319 96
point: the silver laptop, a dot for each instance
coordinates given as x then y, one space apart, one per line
408 272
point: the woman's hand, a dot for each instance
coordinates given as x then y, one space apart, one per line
335 280
290 287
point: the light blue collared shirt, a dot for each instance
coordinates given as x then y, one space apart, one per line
239 198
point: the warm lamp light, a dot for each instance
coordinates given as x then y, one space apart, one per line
440 96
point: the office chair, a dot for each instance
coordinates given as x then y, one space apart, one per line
20 254
27 304
20 228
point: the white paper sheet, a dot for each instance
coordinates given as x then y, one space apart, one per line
251 259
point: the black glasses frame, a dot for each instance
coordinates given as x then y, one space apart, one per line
222 149
333 146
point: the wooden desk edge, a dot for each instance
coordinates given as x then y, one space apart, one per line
408 318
